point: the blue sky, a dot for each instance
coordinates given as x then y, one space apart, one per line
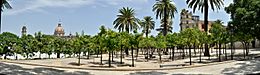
83 15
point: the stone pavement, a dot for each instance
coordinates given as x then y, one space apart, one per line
47 66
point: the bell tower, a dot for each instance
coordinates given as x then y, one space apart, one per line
24 30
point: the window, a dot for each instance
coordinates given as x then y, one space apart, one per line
187 26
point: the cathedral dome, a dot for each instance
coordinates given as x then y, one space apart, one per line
59 31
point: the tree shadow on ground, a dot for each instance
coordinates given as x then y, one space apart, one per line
8 69
148 73
189 74
247 67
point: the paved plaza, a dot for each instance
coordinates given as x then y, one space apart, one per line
64 66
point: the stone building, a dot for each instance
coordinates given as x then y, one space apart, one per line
24 30
59 31
188 20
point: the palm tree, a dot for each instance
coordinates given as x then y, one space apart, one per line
169 26
147 24
203 5
4 4
164 9
126 20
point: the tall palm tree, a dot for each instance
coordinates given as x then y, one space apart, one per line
147 24
164 9
4 4
126 20
168 26
203 5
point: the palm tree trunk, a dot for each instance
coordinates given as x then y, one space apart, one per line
146 34
165 20
1 16
206 25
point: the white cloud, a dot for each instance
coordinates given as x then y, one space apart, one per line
227 2
38 5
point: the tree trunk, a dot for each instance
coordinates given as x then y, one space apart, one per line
126 52
244 48
49 56
101 57
27 56
194 46
165 20
121 55
206 26
200 51
58 55
226 51
247 49
1 17
173 53
109 58
170 52
137 50
132 52
97 52
112 56
79 59
219 56
190 53
183 52
88 54
147 54
231 50
160 56
40 54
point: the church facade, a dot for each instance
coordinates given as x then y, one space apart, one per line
58 32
